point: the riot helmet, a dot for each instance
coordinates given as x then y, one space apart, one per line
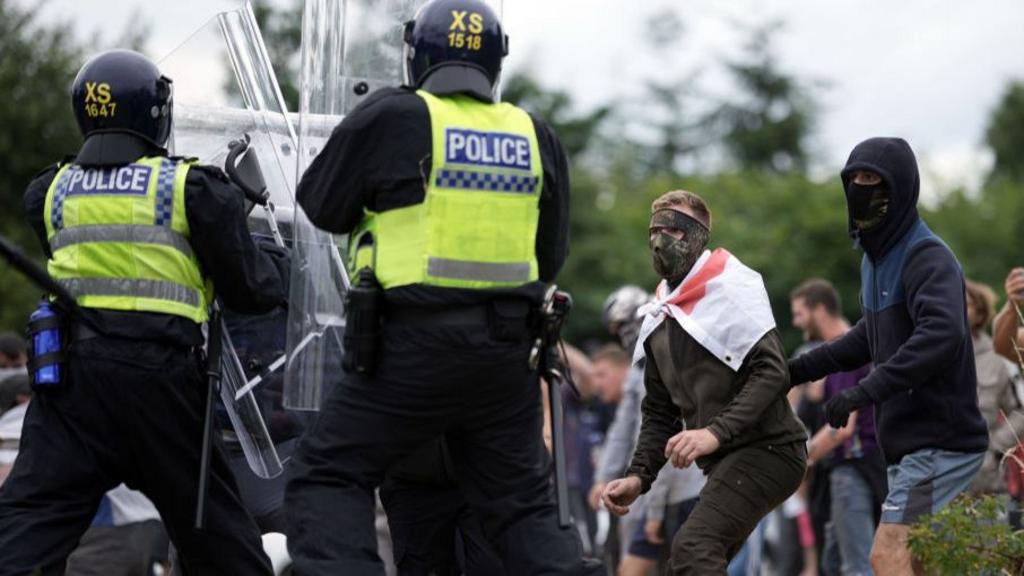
120 97
621 313
455 46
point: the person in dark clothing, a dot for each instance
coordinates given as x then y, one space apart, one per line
141 240
914 329
459 207
723 374
848 458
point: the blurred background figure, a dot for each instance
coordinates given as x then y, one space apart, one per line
847 459
621 320
997 394
13 351
1008 334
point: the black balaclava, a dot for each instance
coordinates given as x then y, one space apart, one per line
674 258
887 221
868 204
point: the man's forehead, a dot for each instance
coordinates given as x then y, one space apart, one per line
669 217
681 208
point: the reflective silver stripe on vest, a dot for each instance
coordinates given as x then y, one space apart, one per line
132 233
132 288
486 271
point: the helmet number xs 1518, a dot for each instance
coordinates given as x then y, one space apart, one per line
97 100
463 34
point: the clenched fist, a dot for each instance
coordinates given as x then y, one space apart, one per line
619 494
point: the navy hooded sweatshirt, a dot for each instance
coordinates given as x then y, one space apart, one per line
914 328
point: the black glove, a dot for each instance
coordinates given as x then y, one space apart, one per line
837 410
797 376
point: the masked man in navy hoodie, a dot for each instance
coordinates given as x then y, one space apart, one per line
915 331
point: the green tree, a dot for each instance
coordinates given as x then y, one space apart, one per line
282 35
768 127
984 230
1005 134
575 130
37 63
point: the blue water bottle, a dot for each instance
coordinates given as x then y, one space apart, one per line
44 327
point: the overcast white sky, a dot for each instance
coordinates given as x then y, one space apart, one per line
927 70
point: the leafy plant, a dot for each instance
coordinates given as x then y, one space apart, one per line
970 536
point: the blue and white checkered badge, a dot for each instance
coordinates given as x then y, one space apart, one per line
165 193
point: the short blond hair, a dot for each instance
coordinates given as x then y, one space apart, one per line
684 198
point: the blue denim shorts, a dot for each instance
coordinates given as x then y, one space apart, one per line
925 481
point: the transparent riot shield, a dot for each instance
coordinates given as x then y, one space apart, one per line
242 100
349 49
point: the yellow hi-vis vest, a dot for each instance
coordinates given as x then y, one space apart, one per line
477 225
120 238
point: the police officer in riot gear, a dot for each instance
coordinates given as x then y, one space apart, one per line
143 241
459 206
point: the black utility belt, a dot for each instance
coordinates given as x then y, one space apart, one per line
486 314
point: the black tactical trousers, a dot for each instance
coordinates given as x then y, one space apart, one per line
434 532
741 489
128 411
455 380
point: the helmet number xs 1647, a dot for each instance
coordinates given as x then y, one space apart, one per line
98 101
463 34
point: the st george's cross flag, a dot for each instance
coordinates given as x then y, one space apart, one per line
721 303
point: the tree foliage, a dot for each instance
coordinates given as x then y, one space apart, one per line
970 536
282 35
37 63
768 126
1004 135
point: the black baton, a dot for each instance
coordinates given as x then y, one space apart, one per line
38 276
558 447
213 374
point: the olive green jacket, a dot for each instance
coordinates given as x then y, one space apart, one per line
686 383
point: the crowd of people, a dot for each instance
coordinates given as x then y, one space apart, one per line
828 525
825 528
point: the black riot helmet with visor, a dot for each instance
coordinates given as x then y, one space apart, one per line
123 106
455 47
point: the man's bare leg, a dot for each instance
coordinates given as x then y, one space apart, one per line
631 565
889 553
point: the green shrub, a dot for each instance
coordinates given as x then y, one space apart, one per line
970 536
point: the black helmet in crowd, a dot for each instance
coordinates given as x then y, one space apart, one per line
621 313
119 96
455 46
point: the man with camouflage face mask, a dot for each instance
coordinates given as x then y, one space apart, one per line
677 240
716 381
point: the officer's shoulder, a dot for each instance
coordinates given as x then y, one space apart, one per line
199 171
540 125
387 103
47 174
